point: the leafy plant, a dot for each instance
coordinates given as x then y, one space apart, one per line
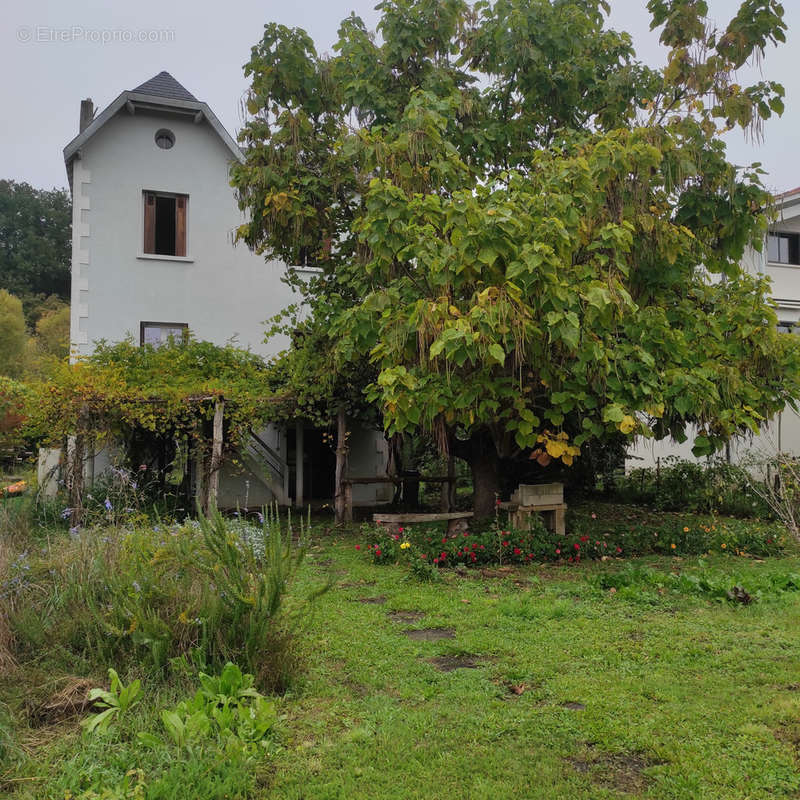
114 703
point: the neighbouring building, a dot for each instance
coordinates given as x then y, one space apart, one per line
779 260
153 256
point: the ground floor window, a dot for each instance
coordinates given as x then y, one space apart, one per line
160 333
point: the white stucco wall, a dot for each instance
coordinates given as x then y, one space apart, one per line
224 293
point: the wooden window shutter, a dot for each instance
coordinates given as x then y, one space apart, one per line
180 226
149 223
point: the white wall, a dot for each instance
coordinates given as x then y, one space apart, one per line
224 293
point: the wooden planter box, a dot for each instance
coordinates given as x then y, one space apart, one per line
539 494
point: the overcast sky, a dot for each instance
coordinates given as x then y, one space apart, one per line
53 54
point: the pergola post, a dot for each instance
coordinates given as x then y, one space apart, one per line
343 500
298 471
216 455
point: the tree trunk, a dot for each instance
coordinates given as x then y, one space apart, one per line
484 463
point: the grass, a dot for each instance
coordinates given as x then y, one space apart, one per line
575 689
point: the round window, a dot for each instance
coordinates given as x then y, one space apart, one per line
165 139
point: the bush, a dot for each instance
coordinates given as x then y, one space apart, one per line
200 590
691 486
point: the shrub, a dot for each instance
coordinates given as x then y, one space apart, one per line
198 590
692 486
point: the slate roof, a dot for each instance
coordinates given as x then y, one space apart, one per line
164 85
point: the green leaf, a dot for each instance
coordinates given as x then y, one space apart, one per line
497 353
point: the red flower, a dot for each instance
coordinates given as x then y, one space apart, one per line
577 546
505 544
584 538
619 549
474 557
358 547
444 540
497 502
435 560
517 551
424 555
377 552
442 556
482 547
399 530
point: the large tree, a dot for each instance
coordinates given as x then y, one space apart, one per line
532 237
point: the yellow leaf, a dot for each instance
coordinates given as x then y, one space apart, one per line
555 449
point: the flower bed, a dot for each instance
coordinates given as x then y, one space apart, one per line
612 532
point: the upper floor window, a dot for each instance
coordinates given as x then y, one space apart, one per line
165 224
165 139
784 248
161 333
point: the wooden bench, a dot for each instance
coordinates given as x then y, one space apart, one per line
392 522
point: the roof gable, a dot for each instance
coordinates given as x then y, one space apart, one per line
164 85
161 93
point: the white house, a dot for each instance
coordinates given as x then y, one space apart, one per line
779 260
153 255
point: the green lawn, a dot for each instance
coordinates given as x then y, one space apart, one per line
570 690
674 696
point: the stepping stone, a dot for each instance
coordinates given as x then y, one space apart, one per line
451 663
405 616
431 634
375 601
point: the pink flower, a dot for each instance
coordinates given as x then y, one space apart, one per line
594 516
558 552
424 555
435 560
358 547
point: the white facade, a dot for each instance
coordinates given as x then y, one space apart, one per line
220 292
223 293
782 267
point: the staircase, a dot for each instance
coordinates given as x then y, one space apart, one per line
267 466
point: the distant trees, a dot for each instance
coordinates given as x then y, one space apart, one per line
35 243
12 335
